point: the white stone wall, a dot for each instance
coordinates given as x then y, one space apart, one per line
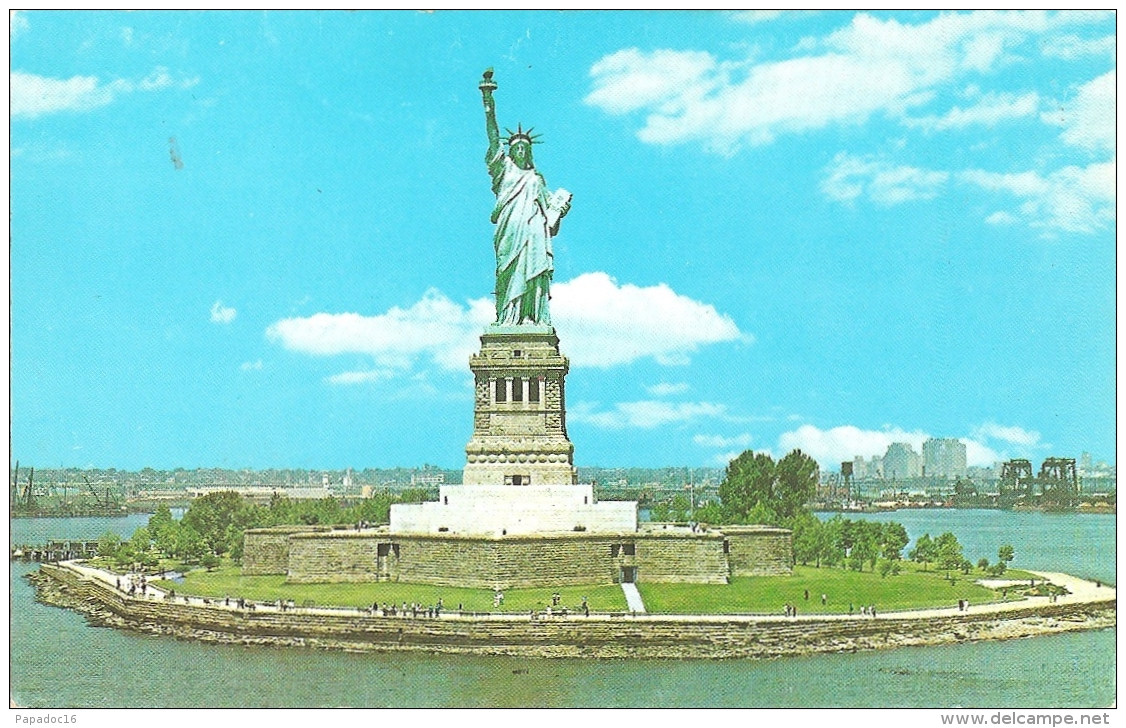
514 510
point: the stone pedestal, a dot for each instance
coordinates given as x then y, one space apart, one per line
519 423
519 478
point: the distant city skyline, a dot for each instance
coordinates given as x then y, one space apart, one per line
262 239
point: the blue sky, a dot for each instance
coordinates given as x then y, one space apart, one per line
261 239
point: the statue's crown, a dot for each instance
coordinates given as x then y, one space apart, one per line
520 135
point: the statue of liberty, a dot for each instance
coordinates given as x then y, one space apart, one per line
526 216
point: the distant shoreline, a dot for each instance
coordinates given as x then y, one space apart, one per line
645 636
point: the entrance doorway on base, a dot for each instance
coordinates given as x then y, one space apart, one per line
628 575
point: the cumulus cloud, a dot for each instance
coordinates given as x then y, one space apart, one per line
435 327
605 324
1007 433
644 414
1072 47
753 17
31 95
989 110
608 324
251 366
870 67
1072 199
849 176
221 314
979 455
1088 120
17 24
833 446
1001 218
720 441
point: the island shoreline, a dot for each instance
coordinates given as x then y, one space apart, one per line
603 636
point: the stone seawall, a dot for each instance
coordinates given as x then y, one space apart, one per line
598 635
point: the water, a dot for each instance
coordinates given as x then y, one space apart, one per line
1079 545
57 660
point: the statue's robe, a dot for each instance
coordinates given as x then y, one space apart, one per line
522 242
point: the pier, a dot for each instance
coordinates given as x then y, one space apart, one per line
54 551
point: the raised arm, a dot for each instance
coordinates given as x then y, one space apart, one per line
487 86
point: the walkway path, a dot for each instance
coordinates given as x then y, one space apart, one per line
1082 591
633 598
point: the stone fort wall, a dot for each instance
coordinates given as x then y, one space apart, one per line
267 550
653 555
596 636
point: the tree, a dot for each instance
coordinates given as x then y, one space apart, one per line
865 544
806 528
163 529
895 539
983 563
830 542
1005 554
219 518
189 545
108 544
948 552
749 481
924 551
796 483
710 512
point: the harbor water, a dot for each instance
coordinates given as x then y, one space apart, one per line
58 660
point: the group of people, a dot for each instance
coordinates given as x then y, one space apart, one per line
413 609
134 583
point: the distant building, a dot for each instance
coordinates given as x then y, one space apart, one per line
867 470
944 458
426 479
901 462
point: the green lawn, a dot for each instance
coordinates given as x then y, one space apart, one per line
911 589
228 581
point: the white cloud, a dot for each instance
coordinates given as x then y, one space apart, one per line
849 177
833 446
753 17
1073 199
607 324
664 389
840 444
251 366
221 314
979 455
1010 434
872 66
360 377
1001 218
644 414
1089 119
719 441
31 95
604 325
990 109
724 458
435 326
17 24
1071 47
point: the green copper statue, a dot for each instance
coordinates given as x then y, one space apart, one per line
526 216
